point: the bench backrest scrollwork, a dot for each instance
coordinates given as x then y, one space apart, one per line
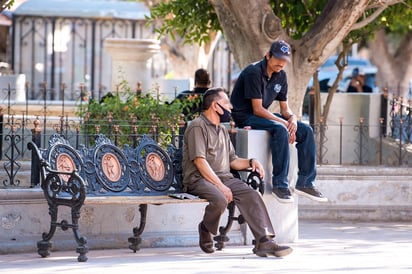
107 169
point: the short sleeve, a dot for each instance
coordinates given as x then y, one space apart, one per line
196 142
253 85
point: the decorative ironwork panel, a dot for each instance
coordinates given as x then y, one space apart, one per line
63 157
155 166
111 166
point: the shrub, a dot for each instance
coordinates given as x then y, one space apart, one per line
119 114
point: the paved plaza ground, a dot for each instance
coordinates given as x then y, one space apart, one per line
323 247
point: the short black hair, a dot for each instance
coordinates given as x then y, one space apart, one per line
210 96
202 77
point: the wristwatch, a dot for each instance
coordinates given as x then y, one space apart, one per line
251 161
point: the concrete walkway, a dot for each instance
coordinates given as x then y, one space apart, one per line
324 247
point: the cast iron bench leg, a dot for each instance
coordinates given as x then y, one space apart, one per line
136 240
82 247
223 230
44 245
57 193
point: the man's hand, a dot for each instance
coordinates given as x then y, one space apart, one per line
292 127
226 191
257 166
207 172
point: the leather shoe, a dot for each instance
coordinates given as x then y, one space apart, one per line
205 240
271 248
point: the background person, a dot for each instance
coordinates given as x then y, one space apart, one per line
202 83
357 82
257 87
208 156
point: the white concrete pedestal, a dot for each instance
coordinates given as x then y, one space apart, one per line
284 216
131 60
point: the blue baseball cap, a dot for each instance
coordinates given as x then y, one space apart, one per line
281 50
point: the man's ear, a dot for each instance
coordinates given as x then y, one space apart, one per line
218 108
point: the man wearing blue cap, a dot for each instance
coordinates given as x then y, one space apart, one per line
258 85
357 82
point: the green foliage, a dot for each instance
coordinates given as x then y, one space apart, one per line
397 19
194 19
191 19
126 110
191 106
297 16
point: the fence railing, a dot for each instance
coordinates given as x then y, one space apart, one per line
337 144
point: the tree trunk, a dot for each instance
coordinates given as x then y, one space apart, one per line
186 59
394 69
250 26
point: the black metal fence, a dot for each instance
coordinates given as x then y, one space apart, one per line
390 148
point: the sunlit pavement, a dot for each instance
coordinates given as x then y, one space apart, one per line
323 247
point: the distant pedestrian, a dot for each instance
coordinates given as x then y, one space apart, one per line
194 97
357 82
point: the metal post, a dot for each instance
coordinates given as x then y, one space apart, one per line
340 139
182 129
361 119
382 133
400 140
77 136
116 135
36 138
384 110
233 133
321 139
44 111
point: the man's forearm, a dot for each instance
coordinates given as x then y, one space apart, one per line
206 171
287 114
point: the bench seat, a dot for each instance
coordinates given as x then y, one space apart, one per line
138 200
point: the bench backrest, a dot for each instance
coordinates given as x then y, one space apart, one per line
106 169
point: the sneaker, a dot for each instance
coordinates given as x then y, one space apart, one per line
270 248
283 195
311 193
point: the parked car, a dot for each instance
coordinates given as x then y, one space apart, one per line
328 72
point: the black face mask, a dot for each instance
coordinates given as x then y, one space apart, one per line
225 117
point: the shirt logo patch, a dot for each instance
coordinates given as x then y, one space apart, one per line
277 88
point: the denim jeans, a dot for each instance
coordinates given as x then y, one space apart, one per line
279 143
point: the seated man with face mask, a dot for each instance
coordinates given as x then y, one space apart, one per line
208 156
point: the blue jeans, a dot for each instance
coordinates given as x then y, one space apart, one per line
279 143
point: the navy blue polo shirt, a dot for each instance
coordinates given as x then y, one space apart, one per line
254 83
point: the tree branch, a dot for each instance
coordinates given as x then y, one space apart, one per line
379 3
4 4
380 6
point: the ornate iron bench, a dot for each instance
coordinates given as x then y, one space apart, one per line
107 174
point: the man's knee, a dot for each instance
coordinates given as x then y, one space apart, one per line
305 131
254 195
219 203
279 132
